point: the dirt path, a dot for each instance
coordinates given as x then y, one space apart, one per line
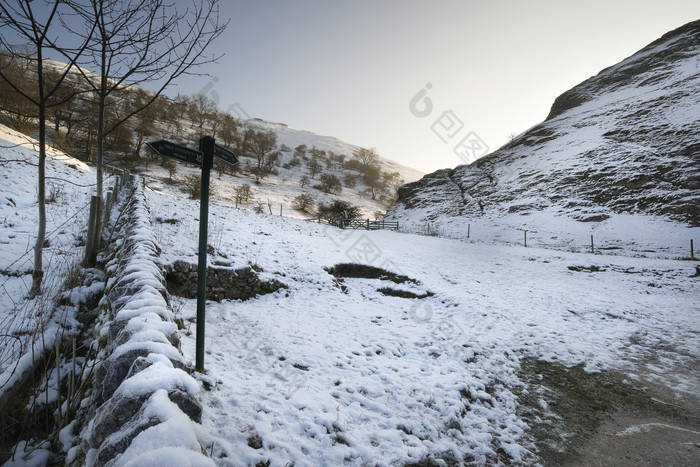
668 435
642 439
605 419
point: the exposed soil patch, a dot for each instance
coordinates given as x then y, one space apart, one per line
586 268
588 419
642 438
364 271
403 293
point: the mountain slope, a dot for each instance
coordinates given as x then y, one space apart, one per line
626 141
277 191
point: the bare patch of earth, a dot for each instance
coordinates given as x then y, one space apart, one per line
607 418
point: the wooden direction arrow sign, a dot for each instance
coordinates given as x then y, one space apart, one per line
168 149
225 154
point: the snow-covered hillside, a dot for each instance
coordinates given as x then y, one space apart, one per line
617 158
293 138
278 190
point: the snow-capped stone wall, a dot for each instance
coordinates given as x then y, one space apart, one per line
144 395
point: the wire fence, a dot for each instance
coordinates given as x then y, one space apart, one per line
677 246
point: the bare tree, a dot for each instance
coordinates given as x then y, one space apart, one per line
19 20
146 120
262 145
330 183
20 111
229 129
137 42
314 167
366 157
201 109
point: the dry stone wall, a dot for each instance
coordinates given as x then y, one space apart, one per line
144 394
222 283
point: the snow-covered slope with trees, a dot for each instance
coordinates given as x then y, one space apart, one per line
617 157
302 161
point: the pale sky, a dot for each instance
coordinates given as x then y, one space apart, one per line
349 68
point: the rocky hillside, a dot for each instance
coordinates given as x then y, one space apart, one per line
626 141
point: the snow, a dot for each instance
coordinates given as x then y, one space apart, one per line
323 377
172 442
602 159
30 455
315 375
157 377
646 427
69 183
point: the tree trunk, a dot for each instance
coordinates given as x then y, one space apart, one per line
38 273
99 150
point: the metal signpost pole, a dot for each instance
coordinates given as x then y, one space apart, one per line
206 146
204 157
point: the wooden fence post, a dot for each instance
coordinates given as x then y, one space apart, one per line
592 249
90 249
108 203
692 252
469 228
525 232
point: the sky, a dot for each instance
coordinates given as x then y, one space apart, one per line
429 84
350 69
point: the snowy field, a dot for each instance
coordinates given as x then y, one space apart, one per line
333 372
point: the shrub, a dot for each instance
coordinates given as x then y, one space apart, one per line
303 202
193 186
259 208
338 209
329 184
243 194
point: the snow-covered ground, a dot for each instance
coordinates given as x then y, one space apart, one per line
621 234
319 375
332 372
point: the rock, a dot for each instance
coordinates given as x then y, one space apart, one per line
113 371
187 403
111 417
121 438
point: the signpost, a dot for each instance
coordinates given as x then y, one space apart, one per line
208 149
225 155
168 149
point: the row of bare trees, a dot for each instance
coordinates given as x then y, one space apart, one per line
114 45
